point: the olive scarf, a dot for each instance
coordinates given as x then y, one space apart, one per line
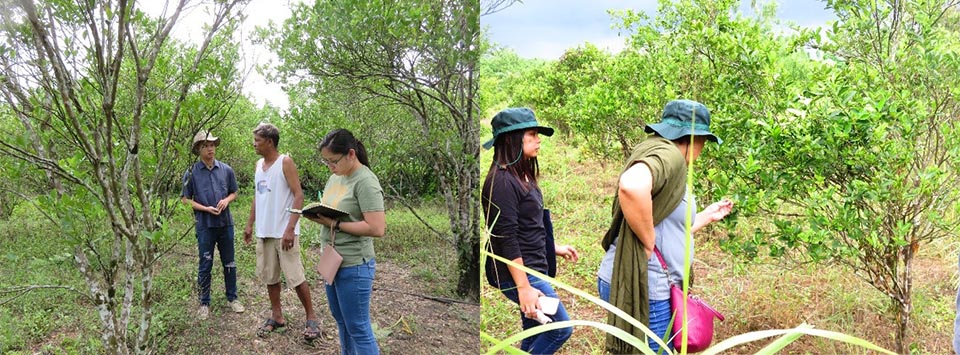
628 286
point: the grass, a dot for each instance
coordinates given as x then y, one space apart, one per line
63 322
763 295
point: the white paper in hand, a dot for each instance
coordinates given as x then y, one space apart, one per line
549 305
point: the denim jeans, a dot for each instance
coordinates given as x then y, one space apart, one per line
222 239
956 323
659 315
349 300
546 342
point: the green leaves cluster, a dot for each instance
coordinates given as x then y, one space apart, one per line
840 143
400 74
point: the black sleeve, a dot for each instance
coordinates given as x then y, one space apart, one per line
503 201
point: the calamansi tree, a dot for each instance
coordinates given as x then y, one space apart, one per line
418 56
866 157
842 140
98 102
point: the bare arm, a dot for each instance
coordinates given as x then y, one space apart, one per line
248 231
636 202
715 212
374 224
293 181
226 201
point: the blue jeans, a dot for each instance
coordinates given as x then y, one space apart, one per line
349 300
659 315
222 239
956 325
546 342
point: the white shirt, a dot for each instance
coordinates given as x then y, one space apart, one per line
273 198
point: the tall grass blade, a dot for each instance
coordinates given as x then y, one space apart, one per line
783 341
509 349
801 329
617 332
596 300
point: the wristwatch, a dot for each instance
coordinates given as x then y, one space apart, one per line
336 226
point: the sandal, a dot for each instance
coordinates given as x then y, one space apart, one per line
312 332
263 331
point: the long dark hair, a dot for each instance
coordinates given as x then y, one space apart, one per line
508 157
340 141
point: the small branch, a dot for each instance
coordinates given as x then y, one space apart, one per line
432 298
20 291
405 204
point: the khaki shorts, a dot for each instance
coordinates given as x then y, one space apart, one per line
271 259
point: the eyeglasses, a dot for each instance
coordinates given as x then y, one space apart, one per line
332 162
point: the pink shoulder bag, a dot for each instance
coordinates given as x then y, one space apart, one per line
698 320
330 259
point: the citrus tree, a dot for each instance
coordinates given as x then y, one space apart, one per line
862 166
418 56
98 103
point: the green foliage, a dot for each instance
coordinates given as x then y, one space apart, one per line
36 246
840 143
503 75
417 58
104 105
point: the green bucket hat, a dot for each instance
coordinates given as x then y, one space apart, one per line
677 118
512 119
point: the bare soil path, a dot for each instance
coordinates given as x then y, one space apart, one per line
404 324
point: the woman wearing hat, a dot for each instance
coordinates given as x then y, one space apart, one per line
649 210
513 205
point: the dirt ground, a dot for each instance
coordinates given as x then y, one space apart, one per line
414 325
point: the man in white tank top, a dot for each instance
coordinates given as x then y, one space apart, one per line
278 244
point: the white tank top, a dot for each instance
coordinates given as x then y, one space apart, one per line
273 198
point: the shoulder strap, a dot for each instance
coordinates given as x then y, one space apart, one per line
333 236
662 262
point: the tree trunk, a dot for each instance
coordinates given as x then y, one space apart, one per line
904 302
903 322
468 254
468 241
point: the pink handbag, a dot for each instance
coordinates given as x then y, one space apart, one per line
330 260
698 320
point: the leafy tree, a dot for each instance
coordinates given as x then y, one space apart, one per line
104 103
866 158
419 56
503 75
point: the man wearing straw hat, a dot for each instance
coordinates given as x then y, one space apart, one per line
209 186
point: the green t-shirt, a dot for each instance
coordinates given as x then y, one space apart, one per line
355 194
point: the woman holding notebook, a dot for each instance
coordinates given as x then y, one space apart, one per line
353 188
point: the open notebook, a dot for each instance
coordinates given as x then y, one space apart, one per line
318 208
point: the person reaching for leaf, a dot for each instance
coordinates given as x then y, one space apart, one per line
649 210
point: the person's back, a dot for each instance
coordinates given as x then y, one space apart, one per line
650 210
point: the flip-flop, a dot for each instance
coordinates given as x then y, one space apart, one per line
274 326
312 332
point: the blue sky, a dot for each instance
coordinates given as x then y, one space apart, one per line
546 28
